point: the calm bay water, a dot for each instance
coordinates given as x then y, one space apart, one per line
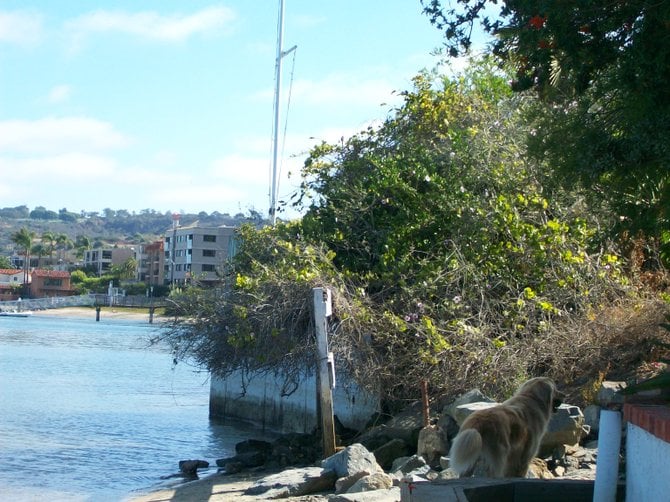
90 412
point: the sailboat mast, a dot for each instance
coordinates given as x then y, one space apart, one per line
275 135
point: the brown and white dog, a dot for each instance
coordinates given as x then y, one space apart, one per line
501 441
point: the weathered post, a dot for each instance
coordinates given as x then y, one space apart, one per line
322 310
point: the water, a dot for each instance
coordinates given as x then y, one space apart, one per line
90 412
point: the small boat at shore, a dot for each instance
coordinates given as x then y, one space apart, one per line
15 313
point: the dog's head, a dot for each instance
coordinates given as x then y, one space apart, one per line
544 390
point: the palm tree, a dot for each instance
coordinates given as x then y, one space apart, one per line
40 250
49 239
24 240
63 242
82 244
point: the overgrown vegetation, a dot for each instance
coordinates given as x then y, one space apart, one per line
452 254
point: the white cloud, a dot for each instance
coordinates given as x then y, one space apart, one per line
150 24
59 135
59 94
241 170
61 168
308 21
340 90
20 27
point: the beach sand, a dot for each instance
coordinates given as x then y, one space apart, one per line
105 313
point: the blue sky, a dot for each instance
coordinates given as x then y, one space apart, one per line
167 105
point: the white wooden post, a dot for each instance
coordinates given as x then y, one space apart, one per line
322 309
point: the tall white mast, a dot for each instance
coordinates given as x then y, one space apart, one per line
275 129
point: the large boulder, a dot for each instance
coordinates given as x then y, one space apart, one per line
463 411
294 483
433 443
566 427
391 450
472 396
372 482
352 459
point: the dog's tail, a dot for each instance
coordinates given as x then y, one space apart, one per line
465 451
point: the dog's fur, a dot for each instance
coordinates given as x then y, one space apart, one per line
501 441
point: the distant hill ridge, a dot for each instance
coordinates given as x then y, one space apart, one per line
108 227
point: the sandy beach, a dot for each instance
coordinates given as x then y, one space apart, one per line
105 313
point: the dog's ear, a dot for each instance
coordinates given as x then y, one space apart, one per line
557 401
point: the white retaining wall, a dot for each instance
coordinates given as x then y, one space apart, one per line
263 403
647 470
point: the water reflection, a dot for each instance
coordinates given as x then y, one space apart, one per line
89 412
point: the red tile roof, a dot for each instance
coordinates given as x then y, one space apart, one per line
50 273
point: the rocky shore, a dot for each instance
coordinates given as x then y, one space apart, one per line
376 463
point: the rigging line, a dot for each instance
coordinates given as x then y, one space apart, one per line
288 105
274 134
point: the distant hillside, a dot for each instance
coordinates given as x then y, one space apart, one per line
107 228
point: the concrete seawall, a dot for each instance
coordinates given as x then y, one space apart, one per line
261 400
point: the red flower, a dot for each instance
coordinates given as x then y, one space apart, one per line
537 22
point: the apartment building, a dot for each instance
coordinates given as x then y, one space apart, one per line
194 253
102 259
150 264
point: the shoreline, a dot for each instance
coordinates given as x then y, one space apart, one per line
123 313
216 487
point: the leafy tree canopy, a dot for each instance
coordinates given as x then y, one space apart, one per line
450 253
602 69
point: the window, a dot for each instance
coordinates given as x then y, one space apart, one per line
208 268
209 238
209 252
53 282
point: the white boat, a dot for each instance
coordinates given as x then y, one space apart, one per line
15 313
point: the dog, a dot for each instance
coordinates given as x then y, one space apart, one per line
500 441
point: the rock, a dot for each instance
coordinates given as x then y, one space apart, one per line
432 444
391 450
538 469
405 425
447 473
294 483
343 484
371 482
472 396
448 424
566 427
253 445
409 464
352 459
190 467
392 494
462 411
608 393
241 461
592 417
